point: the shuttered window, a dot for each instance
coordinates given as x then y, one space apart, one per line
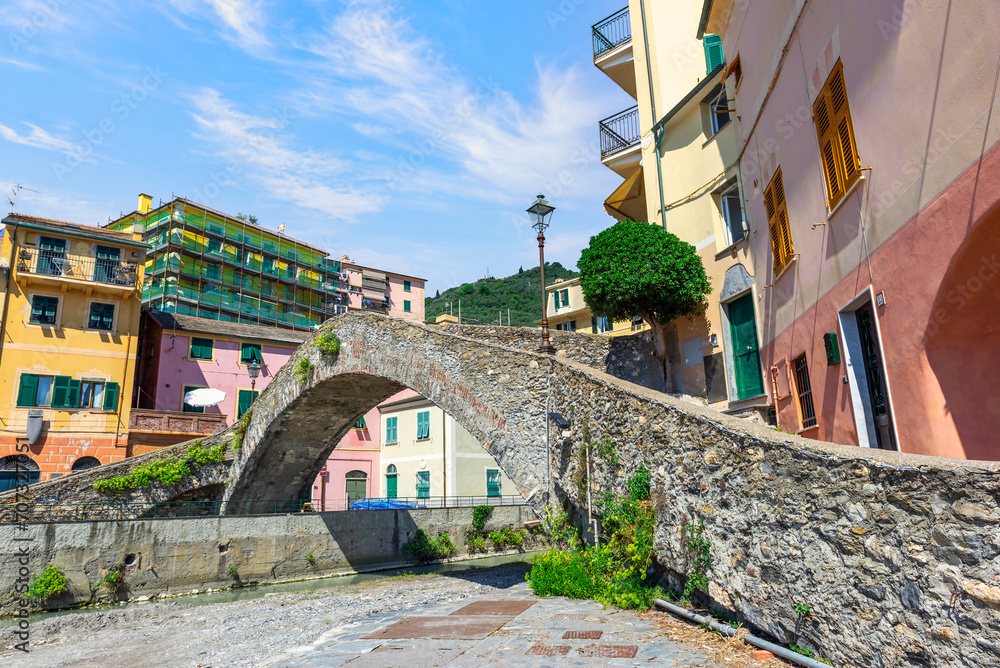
424 424
245 399
391 432
102 316
423 484
201 349
835 131
43 310
406 286
713 52
777 222
406 306
111 396
250 352
493 482
187 408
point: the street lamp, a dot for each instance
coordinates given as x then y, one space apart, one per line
539 214
253 369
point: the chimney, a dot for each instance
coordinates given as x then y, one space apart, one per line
145 203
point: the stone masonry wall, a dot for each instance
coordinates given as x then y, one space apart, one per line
170 557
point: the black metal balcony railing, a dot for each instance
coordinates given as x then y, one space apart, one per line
620 131
611 32
78 267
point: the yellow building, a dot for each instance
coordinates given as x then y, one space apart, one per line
677 152
67 356
426 454
567 311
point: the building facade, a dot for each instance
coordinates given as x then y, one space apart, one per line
180 353
208 264
566 310
67 356
868 164
352 470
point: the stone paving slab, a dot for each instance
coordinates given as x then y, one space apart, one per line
441 628
533 638
501 608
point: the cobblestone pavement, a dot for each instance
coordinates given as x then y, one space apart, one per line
496 629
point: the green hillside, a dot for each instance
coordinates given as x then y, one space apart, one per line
484 300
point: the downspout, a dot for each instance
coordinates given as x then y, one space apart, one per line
6 292
121 395
444 459
652 107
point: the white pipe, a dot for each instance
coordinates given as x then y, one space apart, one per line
725 629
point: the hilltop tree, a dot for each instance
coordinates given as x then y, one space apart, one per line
637 269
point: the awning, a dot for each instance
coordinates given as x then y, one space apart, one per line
374 295
628 201
374 275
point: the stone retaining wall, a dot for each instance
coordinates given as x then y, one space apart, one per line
170 557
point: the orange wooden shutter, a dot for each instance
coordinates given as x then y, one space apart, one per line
835 132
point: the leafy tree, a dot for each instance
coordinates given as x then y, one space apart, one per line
437 294
637 269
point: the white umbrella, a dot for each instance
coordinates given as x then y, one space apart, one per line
205 396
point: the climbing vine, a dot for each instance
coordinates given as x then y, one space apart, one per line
699 552
304 371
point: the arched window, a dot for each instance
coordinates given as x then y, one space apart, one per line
18 469
390 481
355 486
84 463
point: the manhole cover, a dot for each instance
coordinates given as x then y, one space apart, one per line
582 635
444 628
548 650
498 608
616 651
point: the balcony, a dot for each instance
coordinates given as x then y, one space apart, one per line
175 422
620 141
612 40
58 267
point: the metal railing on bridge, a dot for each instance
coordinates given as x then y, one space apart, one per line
85 512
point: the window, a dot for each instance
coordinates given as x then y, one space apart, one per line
423 484
43 310
598 325
406 286
777 221
736 70
245 399
835 131
567 326
250 352
565 297
102 316
493 482
91 393
106 264
360 424
808 412
391 433
718 109
713 52
423 425
51 256
406 306
214 272
34 390
84 463
187 408
201 349
732 211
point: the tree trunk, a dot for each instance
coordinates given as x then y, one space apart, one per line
660 349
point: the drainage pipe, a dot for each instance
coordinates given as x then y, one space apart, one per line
652 108
725 629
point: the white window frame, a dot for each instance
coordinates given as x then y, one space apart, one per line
732 192
714 118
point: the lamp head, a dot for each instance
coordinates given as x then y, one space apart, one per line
539 213
253 369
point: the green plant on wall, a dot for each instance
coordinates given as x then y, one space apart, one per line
240 431
699 552
114 578
49 582
169 471
304 371
311 558
329 344
233 573
479 516
424 549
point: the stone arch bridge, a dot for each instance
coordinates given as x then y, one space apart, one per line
894 553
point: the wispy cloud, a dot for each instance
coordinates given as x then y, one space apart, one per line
40 138
242 20
302 177
21 63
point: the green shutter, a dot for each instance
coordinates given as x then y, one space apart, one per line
60 392
390 430
423 484
406 286
713 52
110 396
593 324
390 486
73 394
243 404
424 425
406 306
28 390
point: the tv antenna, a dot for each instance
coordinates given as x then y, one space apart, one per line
14 192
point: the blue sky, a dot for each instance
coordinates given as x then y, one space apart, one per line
409 135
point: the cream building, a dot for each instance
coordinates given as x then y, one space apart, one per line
566 310
426 454
676 152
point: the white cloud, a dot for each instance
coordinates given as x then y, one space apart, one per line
242 20
21 63
39 138
306 178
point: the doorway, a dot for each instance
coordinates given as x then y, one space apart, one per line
871 359
746 351
356 486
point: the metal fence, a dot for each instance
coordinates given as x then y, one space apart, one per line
85 512
612 31
79 267
620 131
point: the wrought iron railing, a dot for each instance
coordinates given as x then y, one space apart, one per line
86 512
77 267
619 131
611 32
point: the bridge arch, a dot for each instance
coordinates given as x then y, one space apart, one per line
496 393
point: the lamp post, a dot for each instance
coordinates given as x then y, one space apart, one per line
253 369
539 213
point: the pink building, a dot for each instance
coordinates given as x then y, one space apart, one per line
398 295
180 353
869 157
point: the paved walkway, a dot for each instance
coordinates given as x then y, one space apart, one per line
513 627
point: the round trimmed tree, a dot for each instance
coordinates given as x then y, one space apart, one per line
637 269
